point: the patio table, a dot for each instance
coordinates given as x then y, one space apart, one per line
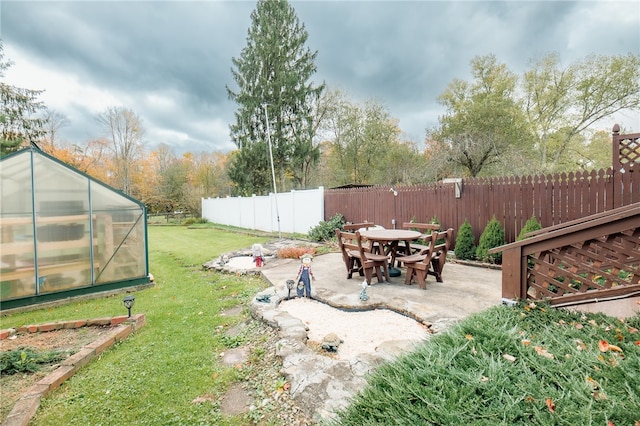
389 238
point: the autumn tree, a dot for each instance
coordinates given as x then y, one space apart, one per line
364 145
483 125
562 102
125 132
275 99
19 123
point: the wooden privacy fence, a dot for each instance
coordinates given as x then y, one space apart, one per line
552 199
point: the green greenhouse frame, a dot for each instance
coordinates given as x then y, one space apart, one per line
64 233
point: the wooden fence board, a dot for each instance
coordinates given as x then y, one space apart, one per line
551 199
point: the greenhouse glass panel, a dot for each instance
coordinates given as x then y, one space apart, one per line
121 227
17 273
63 230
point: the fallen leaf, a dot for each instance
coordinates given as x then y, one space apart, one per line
468 336
593 323
579 326
203 398
580 345
509 358
526 342
532 305
543 352
550 405
632 330
610 423
599 396
484 379
603 345
562 322
593 382
615 348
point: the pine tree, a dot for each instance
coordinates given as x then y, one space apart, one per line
17 107
273 74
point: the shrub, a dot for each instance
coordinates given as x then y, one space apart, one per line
531 225
465 248
326 230
295 252
193 220
492 236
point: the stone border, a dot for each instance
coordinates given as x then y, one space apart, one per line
28 404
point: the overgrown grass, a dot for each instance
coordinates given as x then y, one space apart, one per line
506 366
152 377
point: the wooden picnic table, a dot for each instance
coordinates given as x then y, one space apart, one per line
389 239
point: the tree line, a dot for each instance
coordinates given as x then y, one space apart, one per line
295 133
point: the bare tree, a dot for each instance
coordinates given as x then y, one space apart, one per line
53 121
124 128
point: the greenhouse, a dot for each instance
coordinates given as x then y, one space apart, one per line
65 234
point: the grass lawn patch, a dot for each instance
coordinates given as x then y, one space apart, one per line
531 364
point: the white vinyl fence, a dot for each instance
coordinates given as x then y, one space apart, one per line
299 211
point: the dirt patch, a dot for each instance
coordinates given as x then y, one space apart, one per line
69 340
235 401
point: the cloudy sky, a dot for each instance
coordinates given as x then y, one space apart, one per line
169 61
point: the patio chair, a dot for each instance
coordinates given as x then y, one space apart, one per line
352 227
372 262
369 262
421 243
443 241
419 264
350 257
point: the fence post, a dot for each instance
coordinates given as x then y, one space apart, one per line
514 274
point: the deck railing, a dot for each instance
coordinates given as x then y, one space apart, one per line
593 258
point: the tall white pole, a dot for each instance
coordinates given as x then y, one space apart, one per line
273 171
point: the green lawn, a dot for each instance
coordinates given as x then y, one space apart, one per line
508 366
526 365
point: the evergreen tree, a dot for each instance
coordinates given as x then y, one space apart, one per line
273 75
531 225
492 236
465 248
17 107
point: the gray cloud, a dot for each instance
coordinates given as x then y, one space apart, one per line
169 61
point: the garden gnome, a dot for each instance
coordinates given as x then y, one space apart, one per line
304 277
258 257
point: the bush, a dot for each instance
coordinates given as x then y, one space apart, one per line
194 220
465 248
295 252
327 229
492 236
531 225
